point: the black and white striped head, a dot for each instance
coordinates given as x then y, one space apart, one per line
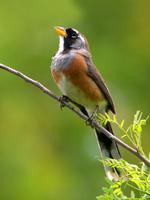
70 38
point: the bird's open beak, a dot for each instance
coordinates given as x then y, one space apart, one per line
60 31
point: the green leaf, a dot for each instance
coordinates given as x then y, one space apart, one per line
132 194
122 123
133 177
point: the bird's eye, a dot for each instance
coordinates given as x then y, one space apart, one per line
74 36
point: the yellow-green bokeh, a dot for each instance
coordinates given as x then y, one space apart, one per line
46 153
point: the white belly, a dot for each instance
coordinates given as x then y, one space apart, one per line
79 96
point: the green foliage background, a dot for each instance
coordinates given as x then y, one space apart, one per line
46 154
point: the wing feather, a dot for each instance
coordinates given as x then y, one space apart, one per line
94 74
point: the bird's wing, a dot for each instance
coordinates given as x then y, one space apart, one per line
98 79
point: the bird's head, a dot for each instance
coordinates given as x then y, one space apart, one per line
70 38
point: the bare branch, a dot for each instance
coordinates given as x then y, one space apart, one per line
92 123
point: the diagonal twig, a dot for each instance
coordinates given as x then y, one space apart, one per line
92 123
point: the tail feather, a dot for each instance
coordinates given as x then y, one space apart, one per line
108 149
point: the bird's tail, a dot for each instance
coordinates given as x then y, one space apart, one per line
108 149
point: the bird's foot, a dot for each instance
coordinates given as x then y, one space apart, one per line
62 100
90 119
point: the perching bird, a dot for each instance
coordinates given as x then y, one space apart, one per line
77 77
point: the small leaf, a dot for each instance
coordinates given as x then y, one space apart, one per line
123 136
132 194
139 129
143 122
122 123
114 119
117 191
107 117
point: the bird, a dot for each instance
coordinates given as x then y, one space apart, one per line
78 79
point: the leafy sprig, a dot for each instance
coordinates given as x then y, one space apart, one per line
133 132
134 178
135 181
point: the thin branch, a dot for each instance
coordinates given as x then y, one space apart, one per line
92 123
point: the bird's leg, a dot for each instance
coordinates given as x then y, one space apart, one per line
82 108
92 116
63 99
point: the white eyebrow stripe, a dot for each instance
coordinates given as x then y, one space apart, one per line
82 38
75 31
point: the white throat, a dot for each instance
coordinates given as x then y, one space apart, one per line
61 45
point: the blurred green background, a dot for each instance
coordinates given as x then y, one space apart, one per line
47 154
